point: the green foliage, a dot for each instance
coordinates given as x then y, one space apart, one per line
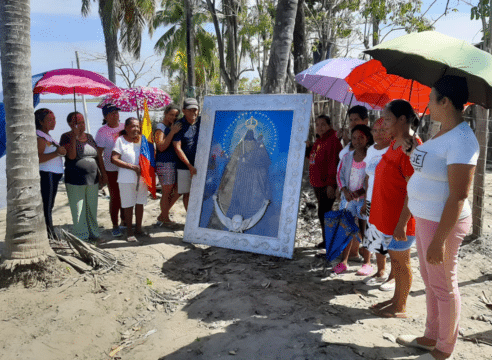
482 10
249 85
175 90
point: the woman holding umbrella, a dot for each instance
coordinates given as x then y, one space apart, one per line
437 197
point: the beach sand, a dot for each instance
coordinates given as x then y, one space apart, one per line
218 303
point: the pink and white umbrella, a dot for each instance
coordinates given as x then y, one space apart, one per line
130 100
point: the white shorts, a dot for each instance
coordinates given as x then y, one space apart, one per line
130 196
184 181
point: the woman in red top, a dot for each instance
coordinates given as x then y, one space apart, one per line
389 214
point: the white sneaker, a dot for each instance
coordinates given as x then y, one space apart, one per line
388 285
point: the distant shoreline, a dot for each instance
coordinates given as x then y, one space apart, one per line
91 100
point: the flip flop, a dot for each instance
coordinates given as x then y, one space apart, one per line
411 341
170 224
390 315
381 305
340 268
375 280
131 239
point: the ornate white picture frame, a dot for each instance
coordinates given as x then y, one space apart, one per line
250 161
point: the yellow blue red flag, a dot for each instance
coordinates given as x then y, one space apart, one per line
147 159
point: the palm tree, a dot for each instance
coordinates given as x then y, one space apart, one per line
129 17
26 238
173 42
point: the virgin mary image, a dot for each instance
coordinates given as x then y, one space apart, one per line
244 192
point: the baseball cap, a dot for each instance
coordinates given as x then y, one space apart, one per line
190 103
109 108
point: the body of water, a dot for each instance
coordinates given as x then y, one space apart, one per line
61 110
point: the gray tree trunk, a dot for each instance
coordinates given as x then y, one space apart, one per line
300 51
228 69
26 240
283 33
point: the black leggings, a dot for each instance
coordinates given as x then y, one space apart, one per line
324 205
49 187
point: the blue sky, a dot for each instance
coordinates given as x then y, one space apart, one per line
58 30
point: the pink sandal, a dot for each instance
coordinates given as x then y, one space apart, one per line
365 270
340 268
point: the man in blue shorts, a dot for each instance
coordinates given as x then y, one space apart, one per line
185 143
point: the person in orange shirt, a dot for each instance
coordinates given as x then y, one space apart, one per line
389 213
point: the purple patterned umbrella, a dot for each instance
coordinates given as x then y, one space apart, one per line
327 78
130 100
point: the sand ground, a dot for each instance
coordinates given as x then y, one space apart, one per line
174 300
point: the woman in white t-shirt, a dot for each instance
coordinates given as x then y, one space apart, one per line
133 190
437 197
50 155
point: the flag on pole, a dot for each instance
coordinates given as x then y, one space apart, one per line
147 160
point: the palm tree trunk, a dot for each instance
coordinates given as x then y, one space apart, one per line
26 241
283 33
110 37
190 48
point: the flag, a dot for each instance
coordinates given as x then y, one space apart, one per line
147 160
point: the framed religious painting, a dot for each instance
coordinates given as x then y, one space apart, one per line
250 160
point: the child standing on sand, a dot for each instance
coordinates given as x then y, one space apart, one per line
350 179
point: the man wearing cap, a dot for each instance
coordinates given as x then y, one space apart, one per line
185 143
105 139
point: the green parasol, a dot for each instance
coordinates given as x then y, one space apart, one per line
428 55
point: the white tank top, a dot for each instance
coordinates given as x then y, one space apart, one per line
54 165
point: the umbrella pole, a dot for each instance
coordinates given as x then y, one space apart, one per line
410 95
74 101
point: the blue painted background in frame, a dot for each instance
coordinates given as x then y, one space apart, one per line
246 167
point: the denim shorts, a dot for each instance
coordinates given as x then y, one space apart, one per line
382 242
401 245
